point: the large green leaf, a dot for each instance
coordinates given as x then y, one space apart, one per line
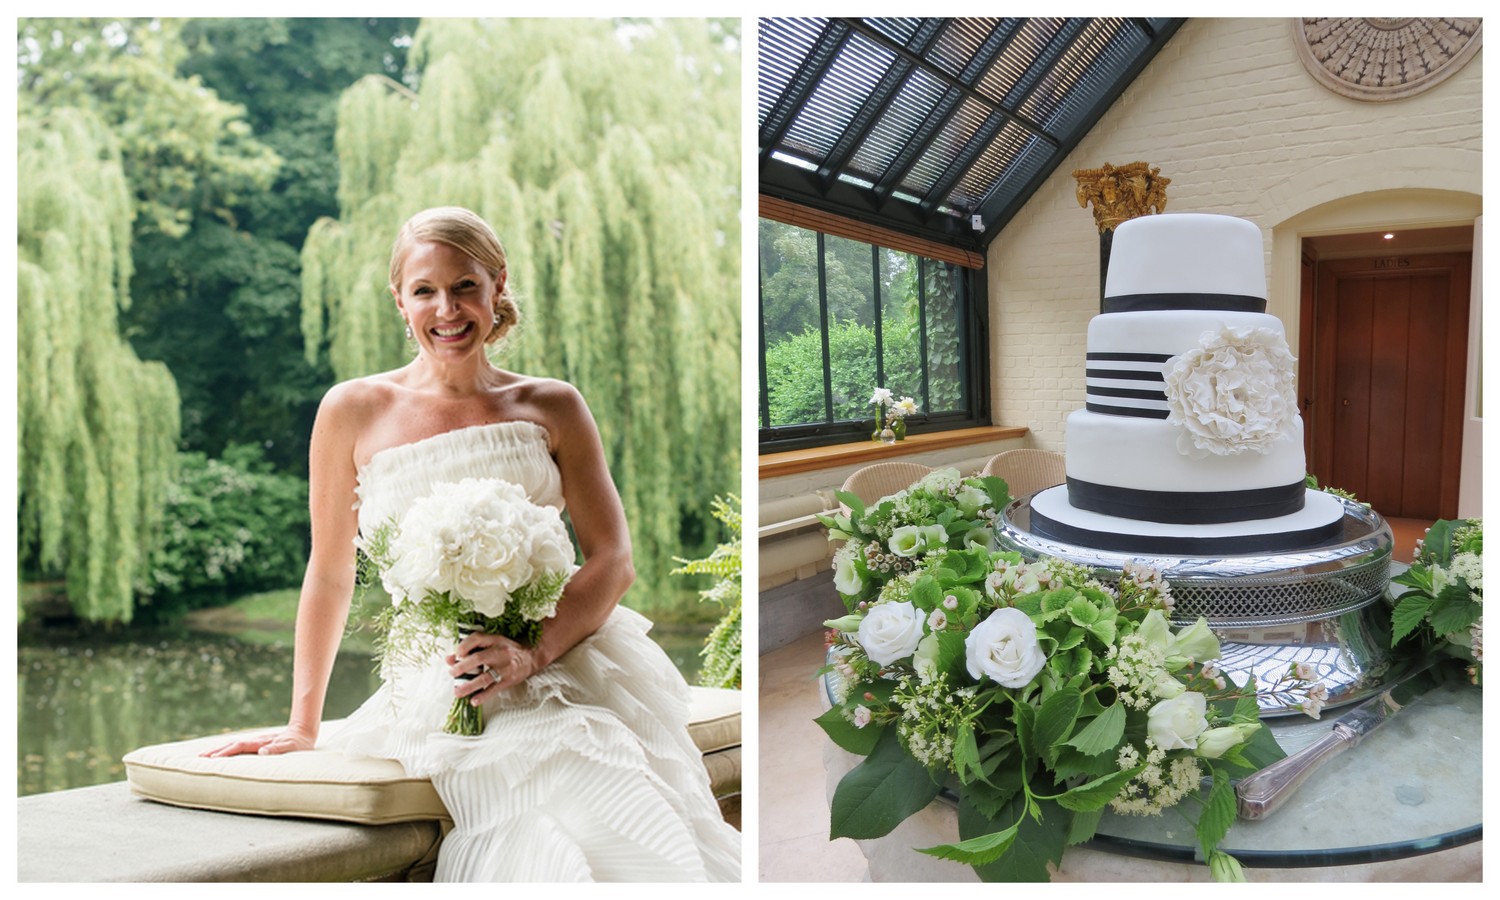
1096 794
1218 812
1054 723
1408 616
976 851
1038 843
851 500
878 794
1453 610
1102 733
842 732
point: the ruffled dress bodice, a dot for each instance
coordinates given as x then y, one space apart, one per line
585 771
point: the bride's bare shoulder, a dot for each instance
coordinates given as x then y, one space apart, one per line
358 401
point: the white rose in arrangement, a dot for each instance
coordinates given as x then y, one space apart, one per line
914 540
846 577
481 540
1215 742
881 397
890 632
1233 393
970 499
1004 648
1176 723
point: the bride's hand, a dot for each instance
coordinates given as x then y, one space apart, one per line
501 663
278 742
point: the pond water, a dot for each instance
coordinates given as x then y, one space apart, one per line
82 706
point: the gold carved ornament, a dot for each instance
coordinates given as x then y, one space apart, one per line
1121 193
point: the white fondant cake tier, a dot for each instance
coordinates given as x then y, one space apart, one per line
1142 454
1128 352
1186 253
1319 519
1171 331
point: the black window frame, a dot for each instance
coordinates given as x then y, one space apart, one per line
974 365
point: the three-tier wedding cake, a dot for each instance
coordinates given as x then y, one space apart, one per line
1190 442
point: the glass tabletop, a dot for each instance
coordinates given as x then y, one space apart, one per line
1412 786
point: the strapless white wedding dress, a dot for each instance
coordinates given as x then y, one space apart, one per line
585 772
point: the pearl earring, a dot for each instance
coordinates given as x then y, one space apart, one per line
409 335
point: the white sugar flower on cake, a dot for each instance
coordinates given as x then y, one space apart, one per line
1233 393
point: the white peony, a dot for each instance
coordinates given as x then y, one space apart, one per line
1233 393
481 540
1004 648
1176 723
890 632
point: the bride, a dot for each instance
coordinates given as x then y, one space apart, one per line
585 770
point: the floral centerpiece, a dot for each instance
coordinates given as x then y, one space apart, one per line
472 556
1444 609
1038 693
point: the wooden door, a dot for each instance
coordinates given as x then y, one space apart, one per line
1389 344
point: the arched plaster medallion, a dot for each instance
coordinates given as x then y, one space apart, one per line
1385 59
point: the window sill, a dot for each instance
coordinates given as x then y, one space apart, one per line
792 462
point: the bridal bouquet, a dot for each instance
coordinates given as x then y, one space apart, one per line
1040 694
473 556
1445 607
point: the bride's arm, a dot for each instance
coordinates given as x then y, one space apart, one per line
603 538
327 585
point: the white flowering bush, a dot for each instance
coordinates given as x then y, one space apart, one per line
1232 393
474 555
1443 610
1043 696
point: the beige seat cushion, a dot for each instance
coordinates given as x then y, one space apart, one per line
324 784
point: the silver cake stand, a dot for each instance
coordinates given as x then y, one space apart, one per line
1324 606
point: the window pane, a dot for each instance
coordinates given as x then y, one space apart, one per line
793 327
850 279
901 334
945 343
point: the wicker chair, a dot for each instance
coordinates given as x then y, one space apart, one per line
883 479
1027 471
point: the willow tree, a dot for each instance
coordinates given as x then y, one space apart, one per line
606 155
97 426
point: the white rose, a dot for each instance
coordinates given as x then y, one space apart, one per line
1215 742
970 499
881 397
914 540
1004 648
1233 393
890 631
846 578
1176 723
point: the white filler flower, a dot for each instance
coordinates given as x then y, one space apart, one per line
1233 393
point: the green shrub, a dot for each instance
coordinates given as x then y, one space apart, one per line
794 371
232 526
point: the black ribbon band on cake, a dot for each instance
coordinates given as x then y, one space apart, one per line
1185 545
1149 302
1139 412
1187 507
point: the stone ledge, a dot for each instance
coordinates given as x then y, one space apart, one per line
104 834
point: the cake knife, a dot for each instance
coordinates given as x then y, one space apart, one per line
1261 794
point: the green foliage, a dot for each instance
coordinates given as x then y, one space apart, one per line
606 156
722 650
184 150
233 526
96 427
1441 610
794 371
879 793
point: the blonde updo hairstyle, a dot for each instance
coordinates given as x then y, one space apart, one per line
469 234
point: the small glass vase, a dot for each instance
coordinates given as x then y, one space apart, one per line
880 430
898 427
887 435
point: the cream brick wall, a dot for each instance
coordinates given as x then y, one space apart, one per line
1228 112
